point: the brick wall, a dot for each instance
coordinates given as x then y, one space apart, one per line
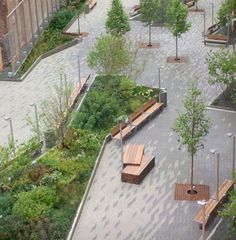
3 29
3 22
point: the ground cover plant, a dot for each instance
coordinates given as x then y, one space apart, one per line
102 106
39 198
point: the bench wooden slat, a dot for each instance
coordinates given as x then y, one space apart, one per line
116 129
137 118
133 154
226 186
76 91
140 119
154 108
127 130
136 114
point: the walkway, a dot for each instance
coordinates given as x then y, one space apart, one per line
116 210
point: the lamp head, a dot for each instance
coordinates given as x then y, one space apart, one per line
213 151
201 202
230 135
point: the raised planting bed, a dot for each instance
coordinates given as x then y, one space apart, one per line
224 101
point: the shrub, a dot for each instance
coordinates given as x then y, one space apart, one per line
6 203
35 203
61 19
99 110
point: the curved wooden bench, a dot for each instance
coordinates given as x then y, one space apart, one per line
212 204
137 118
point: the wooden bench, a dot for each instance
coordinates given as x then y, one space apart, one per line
77 90
137 118
189 4
217 39
133 154
213 28
92 4
212 204
135 174
214 41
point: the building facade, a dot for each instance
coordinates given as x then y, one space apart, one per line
21 23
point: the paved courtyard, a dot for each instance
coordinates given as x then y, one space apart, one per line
116 210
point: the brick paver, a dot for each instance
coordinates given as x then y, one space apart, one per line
116 210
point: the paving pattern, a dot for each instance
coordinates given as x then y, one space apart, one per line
116 210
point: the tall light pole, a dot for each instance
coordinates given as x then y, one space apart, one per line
203 203
78 64
228 30
213 151
212 13
204 28
231 135
122 119
36 119
12 135
78 25
159 76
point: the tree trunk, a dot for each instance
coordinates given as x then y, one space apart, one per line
176 52
196 5
149 35
191 174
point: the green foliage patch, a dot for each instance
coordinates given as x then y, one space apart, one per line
41 197
103 106
52 37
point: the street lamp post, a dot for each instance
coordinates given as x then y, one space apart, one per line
12 135
122 119
231 135
204 28
203 203
36 119
212 13
213 151
159 76
78 25
121 143
78 63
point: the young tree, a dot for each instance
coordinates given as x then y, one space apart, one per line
150 13
177 14
222 68
136 66
110 55
55 109
192 125
117 20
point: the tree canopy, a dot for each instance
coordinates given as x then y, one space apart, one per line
177 14
150 11
192 125
117 20
109 55
222 68
227 9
